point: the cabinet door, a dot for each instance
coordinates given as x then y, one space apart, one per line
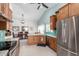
73 9
3 25
63 12
47 40
42 40
30 40
52 43
6 10
8 25
0 7
53 22
9 14
36 39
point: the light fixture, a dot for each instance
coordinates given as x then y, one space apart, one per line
22 21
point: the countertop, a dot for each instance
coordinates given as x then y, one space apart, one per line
10 38
4 53
35 34
51 35
42 34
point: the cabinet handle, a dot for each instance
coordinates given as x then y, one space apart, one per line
41 39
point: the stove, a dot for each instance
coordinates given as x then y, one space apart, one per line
7 45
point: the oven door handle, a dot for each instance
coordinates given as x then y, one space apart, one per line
12 50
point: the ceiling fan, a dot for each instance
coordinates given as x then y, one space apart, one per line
41 4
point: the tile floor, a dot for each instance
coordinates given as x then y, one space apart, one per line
33 50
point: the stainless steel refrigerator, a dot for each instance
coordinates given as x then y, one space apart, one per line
68 36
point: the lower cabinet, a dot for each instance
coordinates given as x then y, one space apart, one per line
30 40
36 39
52 43
40 39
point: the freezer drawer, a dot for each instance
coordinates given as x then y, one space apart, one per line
61 51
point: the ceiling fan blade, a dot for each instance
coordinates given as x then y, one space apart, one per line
38 7
44 5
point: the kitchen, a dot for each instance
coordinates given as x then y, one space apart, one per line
39 29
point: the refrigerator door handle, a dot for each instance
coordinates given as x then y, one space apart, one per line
74 21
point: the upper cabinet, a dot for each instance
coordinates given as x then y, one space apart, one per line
63 12
74 9
5 16
5 10
53 20
70 9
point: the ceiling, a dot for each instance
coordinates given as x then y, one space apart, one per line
29 10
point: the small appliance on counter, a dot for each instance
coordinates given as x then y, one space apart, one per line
8 33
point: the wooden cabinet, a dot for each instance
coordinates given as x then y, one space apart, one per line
52 43
53 20
2 25
70 9
36 39
6 15
63 12
0 7
30 40
74 9
41 39
4 9
8 25
7 10
5 25
10 14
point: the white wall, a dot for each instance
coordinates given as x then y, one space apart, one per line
17 17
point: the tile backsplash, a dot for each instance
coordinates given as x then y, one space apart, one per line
54 33
2 35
